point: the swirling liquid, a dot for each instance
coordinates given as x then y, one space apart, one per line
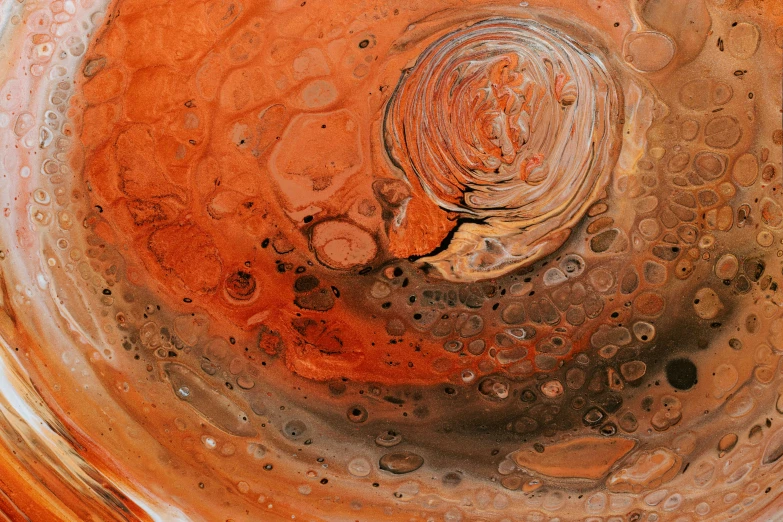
510 123
377 261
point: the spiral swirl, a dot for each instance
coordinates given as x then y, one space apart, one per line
510 123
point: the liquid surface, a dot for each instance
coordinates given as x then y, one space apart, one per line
391 261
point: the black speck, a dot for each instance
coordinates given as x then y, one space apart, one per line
681 373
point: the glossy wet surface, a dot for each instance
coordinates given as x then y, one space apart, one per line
393 262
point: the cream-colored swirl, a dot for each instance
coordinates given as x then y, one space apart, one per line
513 125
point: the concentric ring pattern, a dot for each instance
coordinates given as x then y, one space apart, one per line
510 122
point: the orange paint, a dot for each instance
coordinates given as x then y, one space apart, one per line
392 261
